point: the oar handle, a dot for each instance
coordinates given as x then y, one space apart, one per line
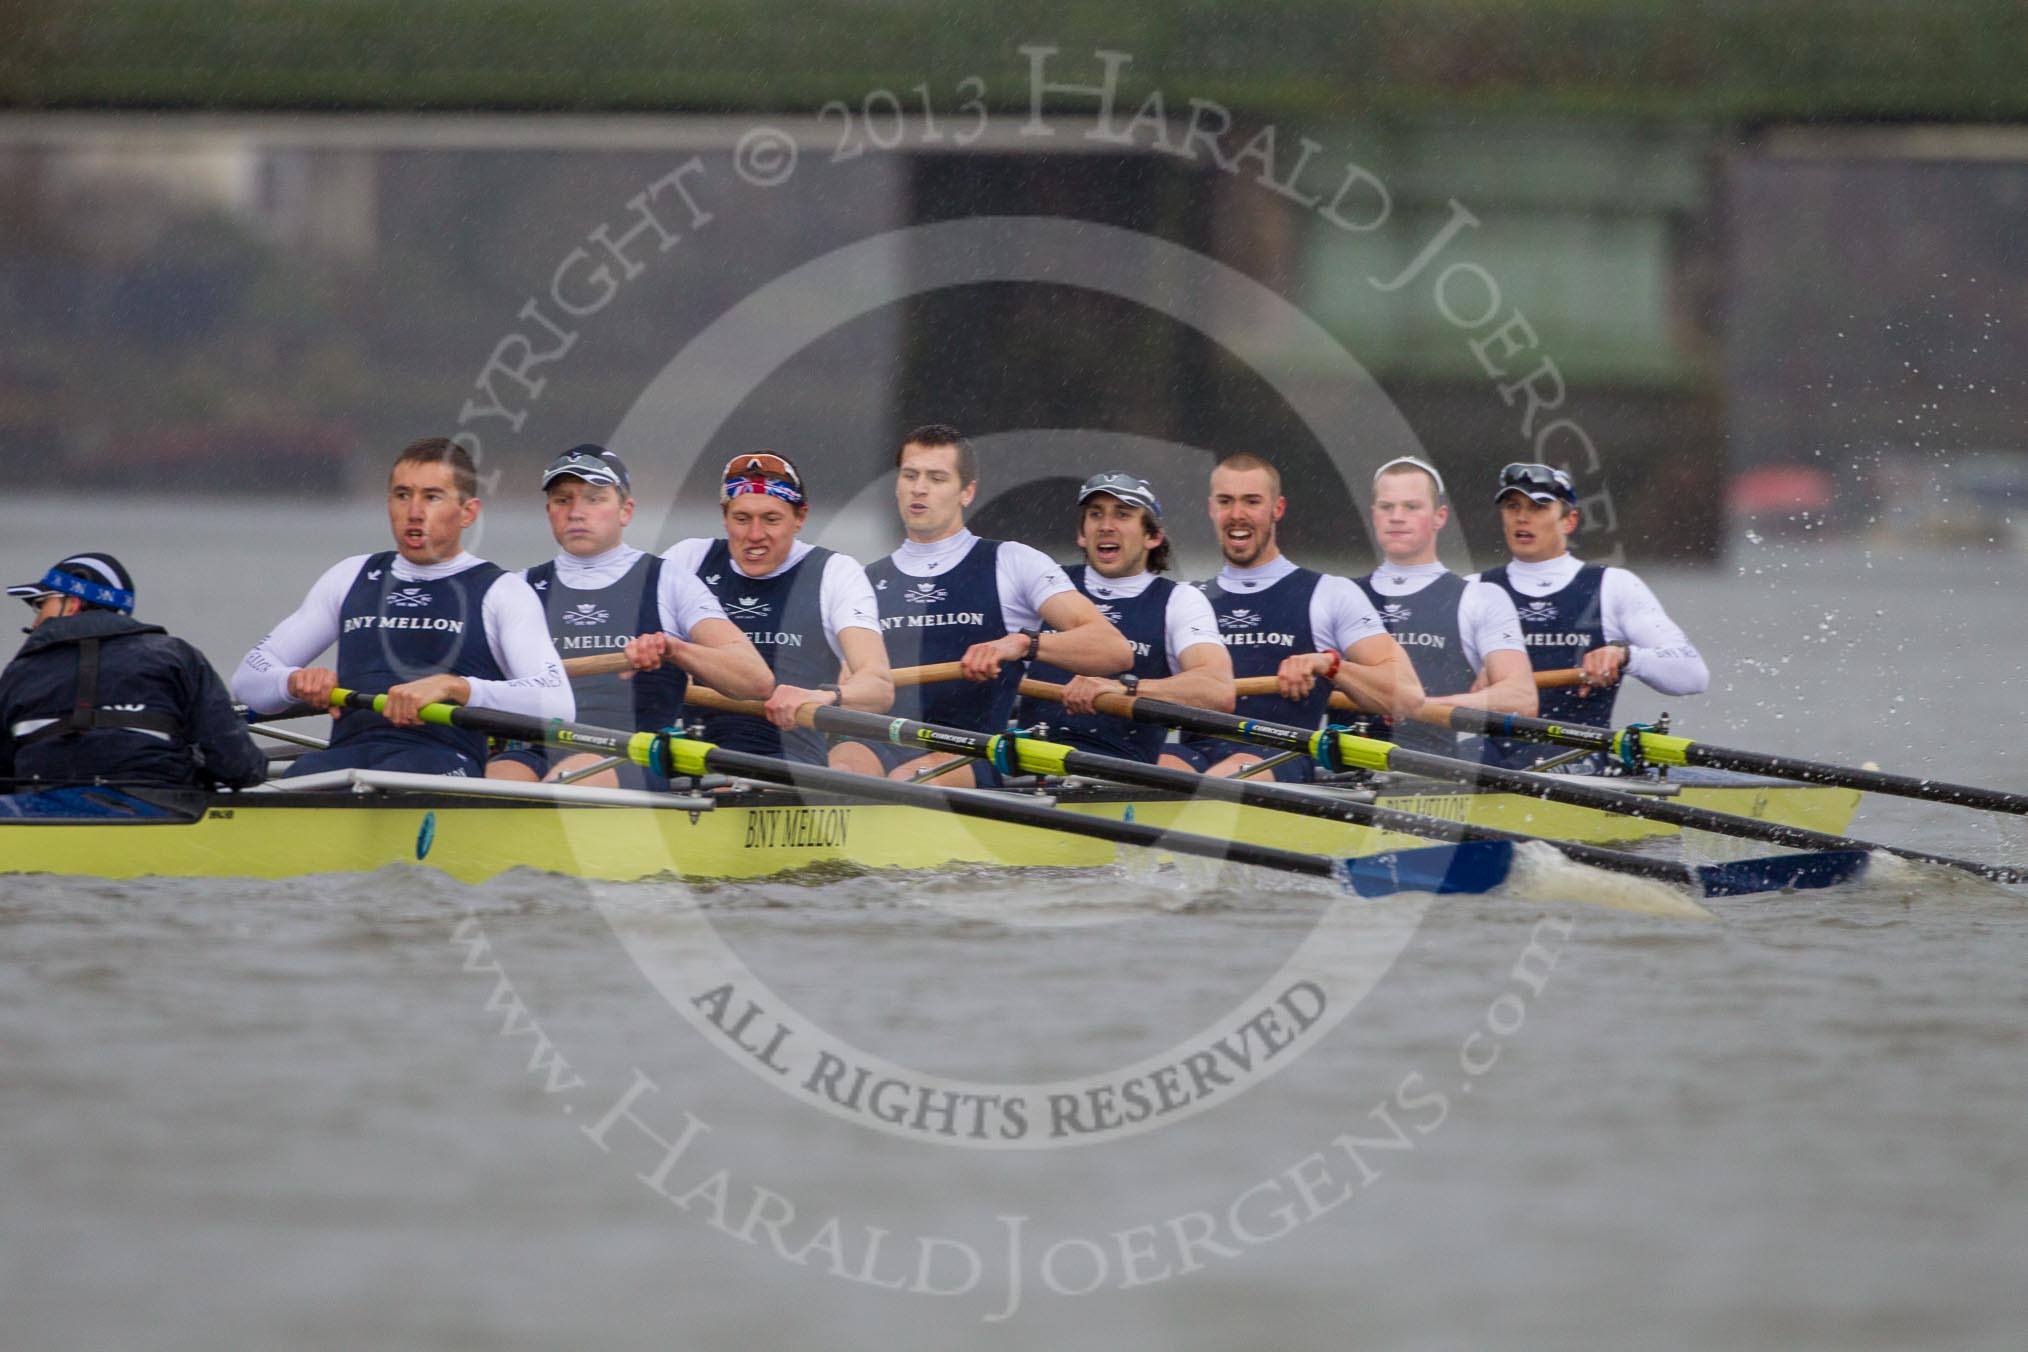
606 664
1436 715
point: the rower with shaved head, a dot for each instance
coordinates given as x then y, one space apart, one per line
425 622
1311 631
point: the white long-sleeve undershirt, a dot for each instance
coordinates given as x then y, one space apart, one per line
1659 654
517 632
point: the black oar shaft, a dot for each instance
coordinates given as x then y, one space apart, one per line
1553 788
1681 750
982 804
1275 797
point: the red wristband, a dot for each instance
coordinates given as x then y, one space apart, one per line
1336 662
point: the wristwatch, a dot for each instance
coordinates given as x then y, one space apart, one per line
839 695
1132 683
1034 643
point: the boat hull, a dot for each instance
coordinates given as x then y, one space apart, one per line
752 835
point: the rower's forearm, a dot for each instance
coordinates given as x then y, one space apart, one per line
1202 690
869 692
736 670
1501 697
1087 650
545 695
1390 688
261 683
1669 671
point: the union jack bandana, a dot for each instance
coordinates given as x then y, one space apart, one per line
774 488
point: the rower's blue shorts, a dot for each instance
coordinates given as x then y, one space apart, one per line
1201 753
371 753
543 759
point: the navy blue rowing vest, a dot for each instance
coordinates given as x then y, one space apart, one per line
927 620
1144 621
391 631
603 620
1559 629
1425 623
1261 629
784 617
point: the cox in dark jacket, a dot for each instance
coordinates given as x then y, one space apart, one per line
153 711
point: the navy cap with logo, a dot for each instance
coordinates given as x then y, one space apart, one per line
1134 492
96 579
591 463
1543 483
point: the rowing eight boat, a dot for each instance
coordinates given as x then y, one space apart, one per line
351 821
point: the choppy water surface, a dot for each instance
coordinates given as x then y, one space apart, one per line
244 1114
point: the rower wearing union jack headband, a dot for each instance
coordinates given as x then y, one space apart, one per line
1179 654
992 606
1462 636
425 622
1311 631
1576 614
600 594
808 610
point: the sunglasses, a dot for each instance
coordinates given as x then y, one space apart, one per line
1530 478
761 465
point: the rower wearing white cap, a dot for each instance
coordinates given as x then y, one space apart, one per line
808 610
1463 637
426 622
95 695
599 594
1179 654
1578 614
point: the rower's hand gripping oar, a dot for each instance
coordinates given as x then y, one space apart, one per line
1268 685
1342 750
1469 867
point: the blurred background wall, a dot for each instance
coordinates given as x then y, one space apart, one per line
1771 252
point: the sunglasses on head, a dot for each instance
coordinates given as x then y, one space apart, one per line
761 465
1531 478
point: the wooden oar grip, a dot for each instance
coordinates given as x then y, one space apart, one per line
605 664
1265 685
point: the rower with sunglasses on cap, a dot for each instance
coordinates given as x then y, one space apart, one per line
808 610
1576 614
600 594
426 622
991 606
1179 654
1463 637
96 696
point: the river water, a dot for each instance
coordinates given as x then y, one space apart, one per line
258 1115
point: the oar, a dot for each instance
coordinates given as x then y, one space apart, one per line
1477 866
1663 749
1033 755
1266 685
605 664
1344 750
